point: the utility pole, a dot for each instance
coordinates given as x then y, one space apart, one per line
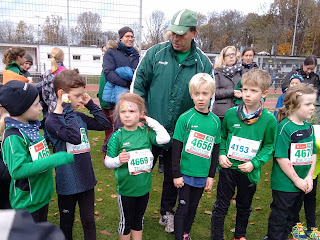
295 29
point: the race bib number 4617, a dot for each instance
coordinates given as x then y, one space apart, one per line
199 144
301 153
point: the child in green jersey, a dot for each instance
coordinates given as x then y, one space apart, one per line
129 152
294 162
25 151
195 149
247 143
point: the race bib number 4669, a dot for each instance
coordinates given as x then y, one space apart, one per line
301 153
199 144
140 161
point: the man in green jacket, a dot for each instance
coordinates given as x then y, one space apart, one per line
162 79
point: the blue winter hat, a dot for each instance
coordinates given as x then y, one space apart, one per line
298 76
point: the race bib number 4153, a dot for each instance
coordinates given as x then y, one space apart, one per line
301 153
243 149
199 144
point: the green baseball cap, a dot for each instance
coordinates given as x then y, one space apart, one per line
182 21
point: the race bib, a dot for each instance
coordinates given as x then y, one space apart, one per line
301 153
199 144
140 161
243 149
83 147
39 150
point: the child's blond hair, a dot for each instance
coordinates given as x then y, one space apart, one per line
199 79
130 97
257 77
57 55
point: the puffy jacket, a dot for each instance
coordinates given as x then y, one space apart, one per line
163 82
224 91
115 58
313 78
13 72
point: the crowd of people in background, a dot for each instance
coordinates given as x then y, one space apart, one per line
171 105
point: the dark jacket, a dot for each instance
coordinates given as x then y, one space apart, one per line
115 58
163 82
247 68
224 91
313 78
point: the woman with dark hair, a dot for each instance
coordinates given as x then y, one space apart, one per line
13 59
306 71
310 77
227 73
247 59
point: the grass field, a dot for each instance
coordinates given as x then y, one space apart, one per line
107 213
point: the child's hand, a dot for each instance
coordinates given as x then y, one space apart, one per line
85 99
65 98
301 184
209 184
144 120
124 156
237 93
246 167
309 181
178 182
224 161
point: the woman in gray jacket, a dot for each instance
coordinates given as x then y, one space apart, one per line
227 73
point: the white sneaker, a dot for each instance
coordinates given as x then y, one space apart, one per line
169 226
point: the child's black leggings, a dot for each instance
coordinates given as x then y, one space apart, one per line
67 205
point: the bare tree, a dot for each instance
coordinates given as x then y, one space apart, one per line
6 31
156 27
89 29
23 33
54 31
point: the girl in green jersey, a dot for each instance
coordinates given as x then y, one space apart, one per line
129 153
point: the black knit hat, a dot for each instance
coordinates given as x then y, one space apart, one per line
17 97
123 31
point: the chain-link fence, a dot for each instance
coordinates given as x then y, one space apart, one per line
78 27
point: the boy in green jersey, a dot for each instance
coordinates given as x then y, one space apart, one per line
195 149
247 143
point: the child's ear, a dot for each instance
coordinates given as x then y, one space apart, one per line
59 93
264 94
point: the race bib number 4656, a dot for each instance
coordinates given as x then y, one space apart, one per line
199 144
39 150
301 153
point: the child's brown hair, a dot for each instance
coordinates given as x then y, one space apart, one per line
68 79
292 99
12 54
130 97
257 77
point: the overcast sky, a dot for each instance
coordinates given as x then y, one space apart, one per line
169 7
